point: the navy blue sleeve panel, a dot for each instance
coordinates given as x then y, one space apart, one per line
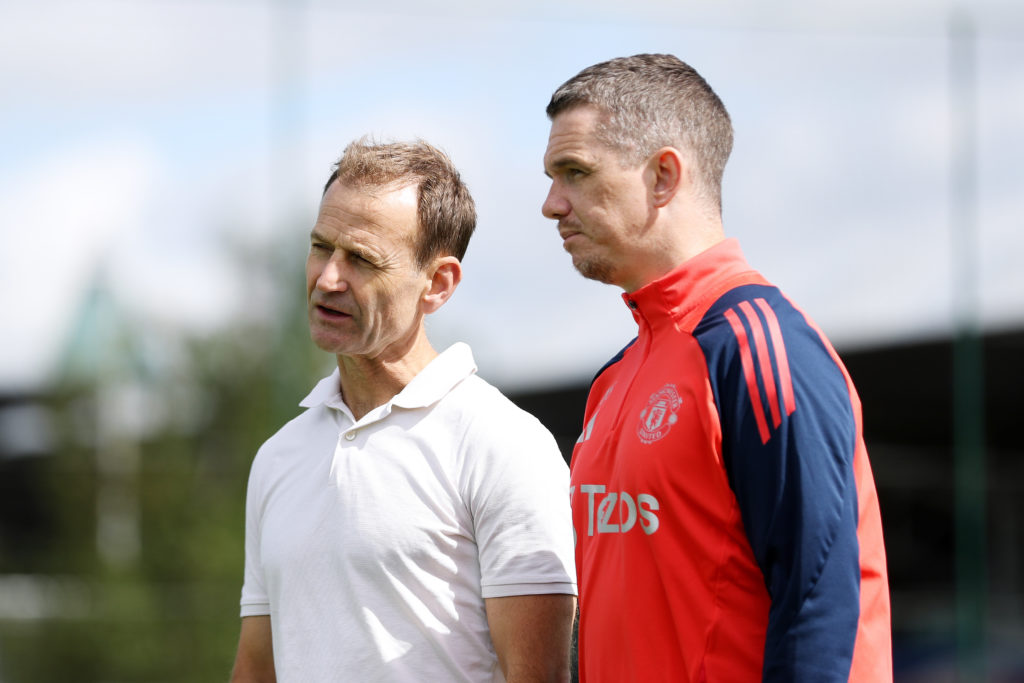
788 441
615 359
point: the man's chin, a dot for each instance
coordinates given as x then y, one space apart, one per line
331 343
595 269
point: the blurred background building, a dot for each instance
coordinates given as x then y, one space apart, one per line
161 165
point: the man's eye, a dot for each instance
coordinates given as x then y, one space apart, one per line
318 246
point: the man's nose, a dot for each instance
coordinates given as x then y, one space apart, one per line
332 276
555 205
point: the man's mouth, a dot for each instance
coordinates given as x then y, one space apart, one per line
568 234
567 231
330 313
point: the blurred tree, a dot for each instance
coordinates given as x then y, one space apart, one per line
186 415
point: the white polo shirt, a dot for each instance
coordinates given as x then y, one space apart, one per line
373 543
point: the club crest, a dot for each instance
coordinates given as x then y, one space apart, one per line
659 415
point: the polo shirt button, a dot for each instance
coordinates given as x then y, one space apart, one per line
350 435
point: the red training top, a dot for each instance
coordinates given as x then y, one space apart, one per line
727 525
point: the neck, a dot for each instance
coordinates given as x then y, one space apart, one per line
676 238
371 381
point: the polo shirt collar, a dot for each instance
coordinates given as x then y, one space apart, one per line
440 376
327 390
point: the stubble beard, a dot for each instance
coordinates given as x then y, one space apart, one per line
596 269
592 266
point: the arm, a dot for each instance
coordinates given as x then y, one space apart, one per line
254 662
531 635
788 441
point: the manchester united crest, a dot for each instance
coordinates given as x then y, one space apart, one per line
659 415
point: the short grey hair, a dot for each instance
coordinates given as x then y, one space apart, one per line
650 101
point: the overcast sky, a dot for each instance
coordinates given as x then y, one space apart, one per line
149 136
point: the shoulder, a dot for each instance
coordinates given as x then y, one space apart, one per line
761 302
484 409
496 438
301 427
758 319
312 426
766 359
614 360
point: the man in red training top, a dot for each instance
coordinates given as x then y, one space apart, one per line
727 525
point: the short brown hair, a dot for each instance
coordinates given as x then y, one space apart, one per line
445 209
651 101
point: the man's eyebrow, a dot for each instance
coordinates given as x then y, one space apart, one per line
562 162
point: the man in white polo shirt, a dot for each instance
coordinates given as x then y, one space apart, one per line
412 524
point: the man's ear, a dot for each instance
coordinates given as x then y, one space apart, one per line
445 275
669 174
